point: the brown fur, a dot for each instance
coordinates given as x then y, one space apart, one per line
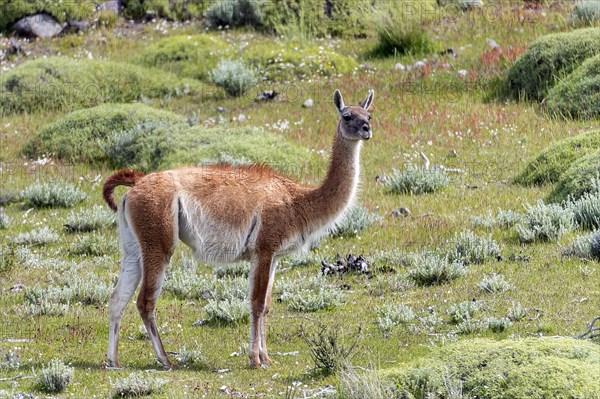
288 214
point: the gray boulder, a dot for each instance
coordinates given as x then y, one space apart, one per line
39 25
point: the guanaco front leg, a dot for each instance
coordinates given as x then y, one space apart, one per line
264 353
259 289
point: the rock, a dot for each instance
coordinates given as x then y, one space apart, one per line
401 212
308 103
399 67
39 25
78 26
221 110
111 5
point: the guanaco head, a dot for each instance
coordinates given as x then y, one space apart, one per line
355 120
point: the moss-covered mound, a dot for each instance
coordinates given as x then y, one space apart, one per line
60 83
13 10
578 95
550 164
199 145
533 368
191 56
82 136
581 177
293 61
549 59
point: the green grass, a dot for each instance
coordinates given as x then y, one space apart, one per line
434 112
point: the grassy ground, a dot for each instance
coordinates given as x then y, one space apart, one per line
434 110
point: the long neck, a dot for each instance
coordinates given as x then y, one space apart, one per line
337 191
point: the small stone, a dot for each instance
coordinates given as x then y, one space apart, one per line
399 67
401 212
221 110
308 103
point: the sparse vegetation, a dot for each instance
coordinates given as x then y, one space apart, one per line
390 316
494 283
415 180
546 223
432 268
53 194
137 384
463 311
55 377
329 349
42 236
355 221
234 77
468 248
90 219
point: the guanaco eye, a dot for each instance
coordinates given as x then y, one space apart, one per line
347 118
369 117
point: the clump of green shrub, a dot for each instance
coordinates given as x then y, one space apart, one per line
416 180
581 247
55 377
504 219
586 209
463 311
546 222
553 161
581 177
355 221
569 367
13 10
234 77
238 269
587 11
60 83
191 357
494 283
4 219
390 316
43 236
183 281
400 29
93 245
578 95
192 56
467 247
228 311
86 219
431 269
173 10
310 295
548 60
234 13
55 194
136 385
289 61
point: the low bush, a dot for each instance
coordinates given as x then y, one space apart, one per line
503 219
553 161
546 223
355 221
569 367
137 384
10 360
239 269
234 77
229 311
578 95
415 180
91 135
192 56
329 349
581 248
586 209
42 236
468 248
173 10
498 325
582 177
390 316
191 358
289 61
13 10
90 219
548 60
59 83
88 290
587 11
463 311
235 13
310 295
4 219
184 282
94 245
54 194
432 268
55 377
516 312
494 283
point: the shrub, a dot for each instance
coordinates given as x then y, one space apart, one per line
88 290
587 11
42 236
93 245
234 77
586 209
390 316
191 357
90 219
466 247
230 311
184 55
4 219
55 194
46 308
173 10
326 348
568 366
137 384
59 83
55 377
470 326
415 180
552 162
400 31
234 13
13 10
90 135
578 95
498 325
516 312
239 269
463 311
311 295
289 61
581 177
10 360
503 219
546 223
359 385
494 283
355 221
581 247
431 269
548 60
184 282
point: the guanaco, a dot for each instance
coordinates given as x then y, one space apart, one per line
226 214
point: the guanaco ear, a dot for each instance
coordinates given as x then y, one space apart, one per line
338 101
366 103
